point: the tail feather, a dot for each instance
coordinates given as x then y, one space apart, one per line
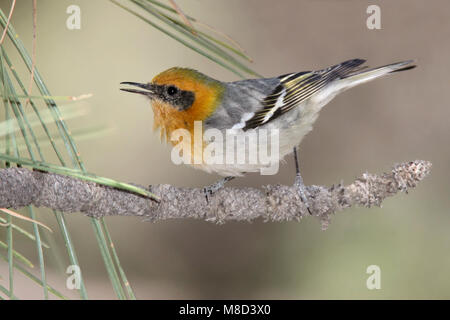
362 76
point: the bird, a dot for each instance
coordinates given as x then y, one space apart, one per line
288 105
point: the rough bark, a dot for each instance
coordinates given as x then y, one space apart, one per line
20 187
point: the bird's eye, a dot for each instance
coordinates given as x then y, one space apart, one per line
172 90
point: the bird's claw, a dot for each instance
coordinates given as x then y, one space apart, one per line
208 192
302 192
213 188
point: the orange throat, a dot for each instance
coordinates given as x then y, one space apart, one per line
168 119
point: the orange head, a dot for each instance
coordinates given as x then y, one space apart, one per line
180 96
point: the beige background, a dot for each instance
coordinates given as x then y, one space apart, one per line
399 118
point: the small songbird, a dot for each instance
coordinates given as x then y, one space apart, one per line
289 103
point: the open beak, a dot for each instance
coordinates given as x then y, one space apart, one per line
147 86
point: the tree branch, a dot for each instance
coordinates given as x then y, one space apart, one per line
20 187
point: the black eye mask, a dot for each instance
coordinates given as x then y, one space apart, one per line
180 99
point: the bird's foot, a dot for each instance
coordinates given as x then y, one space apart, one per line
216 186
298 183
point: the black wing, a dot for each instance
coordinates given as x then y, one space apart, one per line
295 88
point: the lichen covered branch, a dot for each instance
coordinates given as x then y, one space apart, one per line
20 187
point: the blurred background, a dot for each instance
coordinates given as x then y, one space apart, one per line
398 118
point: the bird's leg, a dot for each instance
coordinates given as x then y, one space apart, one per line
299 182
212 188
